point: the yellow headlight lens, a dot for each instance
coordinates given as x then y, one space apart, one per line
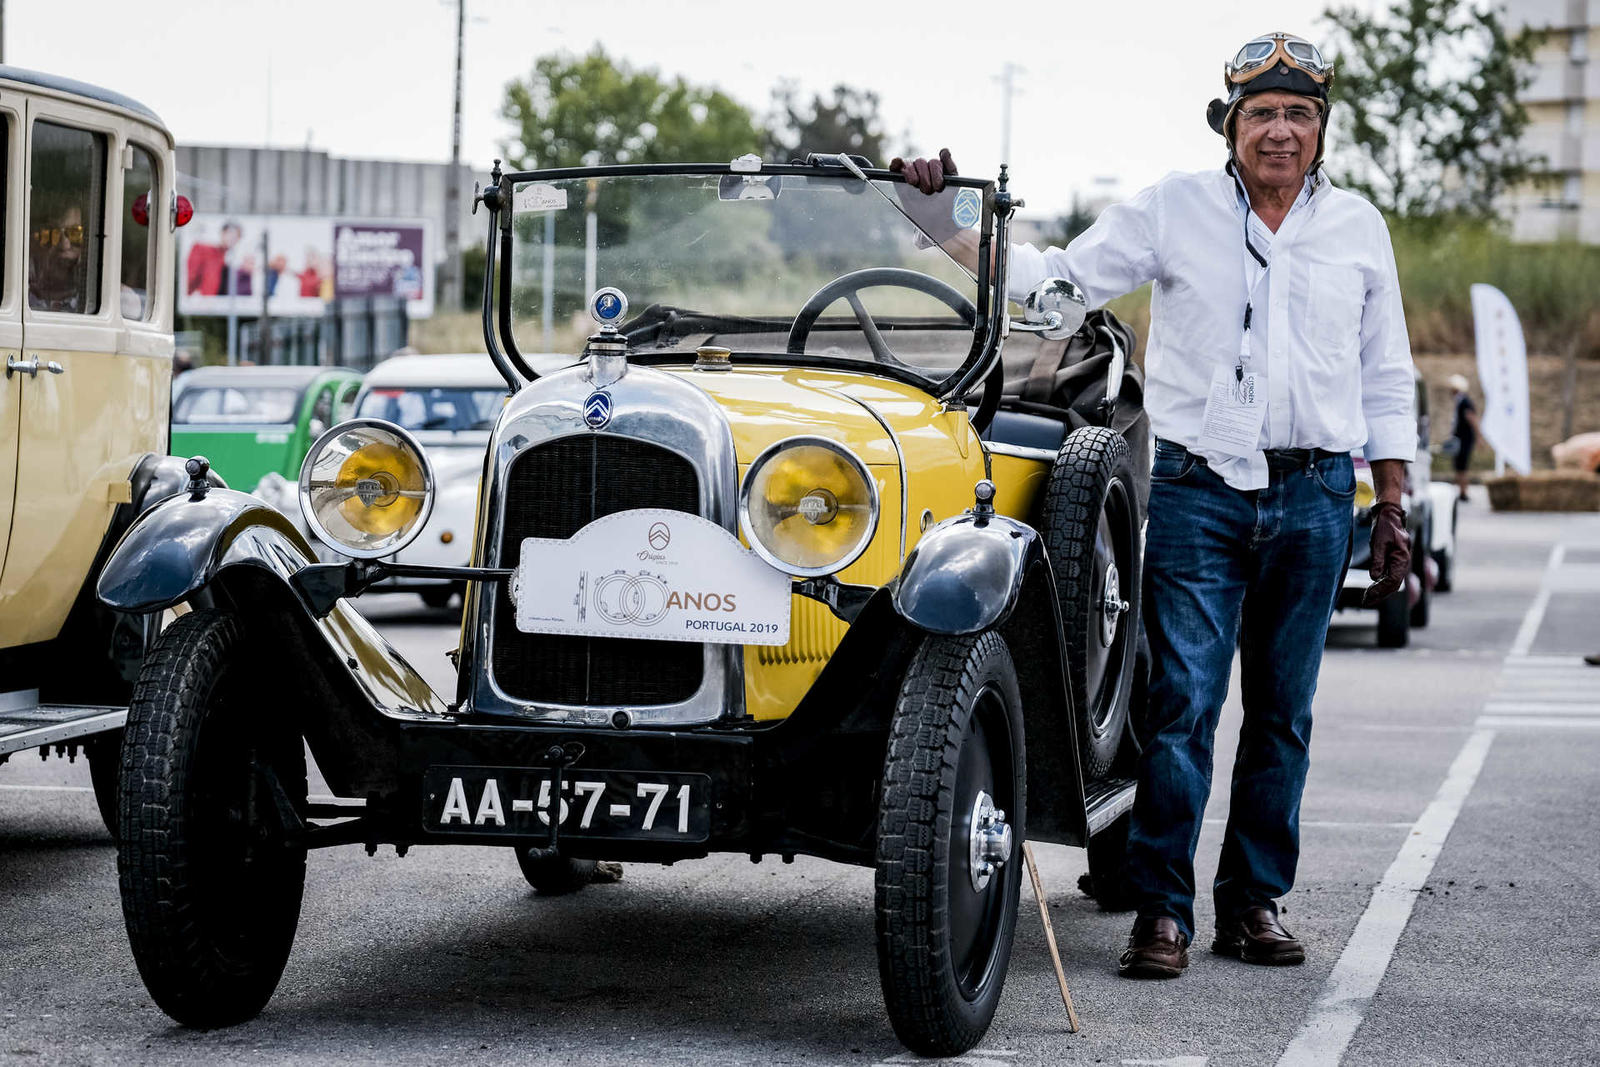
1366 493
808 506
366 488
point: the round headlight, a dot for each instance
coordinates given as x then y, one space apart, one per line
366 488
808 506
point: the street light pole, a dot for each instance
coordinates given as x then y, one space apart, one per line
1008 86
452 190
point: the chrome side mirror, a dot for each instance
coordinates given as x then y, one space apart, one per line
1054 309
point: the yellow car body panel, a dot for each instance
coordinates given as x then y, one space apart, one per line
898 430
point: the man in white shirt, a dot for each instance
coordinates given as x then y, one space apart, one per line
1277 347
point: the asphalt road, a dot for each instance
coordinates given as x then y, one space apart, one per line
1447 895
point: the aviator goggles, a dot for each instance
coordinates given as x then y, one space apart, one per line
1261 54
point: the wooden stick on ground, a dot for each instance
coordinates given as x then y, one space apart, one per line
1050 934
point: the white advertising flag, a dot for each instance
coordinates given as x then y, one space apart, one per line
1503 371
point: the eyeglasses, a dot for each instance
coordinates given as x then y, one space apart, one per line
1258 56
54 235
1301 118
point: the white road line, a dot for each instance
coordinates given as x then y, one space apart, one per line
49 788
1324 824
1542 707
1511 722
1531 621
1574 662
1337 1013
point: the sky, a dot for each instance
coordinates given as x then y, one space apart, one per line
1109 98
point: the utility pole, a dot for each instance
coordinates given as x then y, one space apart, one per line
452 191
264 341
1008 86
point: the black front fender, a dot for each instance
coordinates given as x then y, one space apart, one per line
971 574
247 553
178 547
965 575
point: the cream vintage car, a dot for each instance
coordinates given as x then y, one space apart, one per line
86 337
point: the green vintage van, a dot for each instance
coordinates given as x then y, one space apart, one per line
254 421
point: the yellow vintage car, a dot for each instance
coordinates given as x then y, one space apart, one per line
86 338
751 575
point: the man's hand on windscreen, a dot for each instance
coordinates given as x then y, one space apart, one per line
933 211
926 174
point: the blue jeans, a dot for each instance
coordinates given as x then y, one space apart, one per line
1224 568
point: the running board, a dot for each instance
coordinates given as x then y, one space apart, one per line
1108 801
50 724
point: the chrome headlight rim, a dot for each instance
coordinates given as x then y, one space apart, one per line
771 452
429 487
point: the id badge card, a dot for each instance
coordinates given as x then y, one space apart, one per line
1235 411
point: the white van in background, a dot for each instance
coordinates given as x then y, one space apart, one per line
449 403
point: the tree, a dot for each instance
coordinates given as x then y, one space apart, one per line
849 122
1426 102
581 111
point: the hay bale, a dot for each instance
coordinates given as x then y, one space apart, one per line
1560 490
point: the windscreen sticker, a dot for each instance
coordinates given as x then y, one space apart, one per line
967 210
539 197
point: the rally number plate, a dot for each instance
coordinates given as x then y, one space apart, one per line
617 805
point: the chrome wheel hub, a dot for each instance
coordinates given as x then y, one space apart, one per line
1112 606
989 844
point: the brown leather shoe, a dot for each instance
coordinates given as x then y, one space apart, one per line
1156 949
1256 936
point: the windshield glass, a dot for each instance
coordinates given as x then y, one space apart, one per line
220 404
756 263
434 409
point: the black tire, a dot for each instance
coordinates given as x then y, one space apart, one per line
944 939
104 754
1443 560
211 884
1419 567
1107 878
1090 521
438 598
555 876
1394 620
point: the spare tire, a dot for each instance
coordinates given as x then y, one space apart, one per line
1090 521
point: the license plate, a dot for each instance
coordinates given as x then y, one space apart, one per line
518 802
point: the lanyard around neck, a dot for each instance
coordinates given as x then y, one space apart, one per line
1251 284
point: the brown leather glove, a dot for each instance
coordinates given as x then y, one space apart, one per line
1391 552
931 205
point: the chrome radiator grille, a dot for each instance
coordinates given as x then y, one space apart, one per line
554 490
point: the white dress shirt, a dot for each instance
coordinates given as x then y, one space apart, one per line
1327 328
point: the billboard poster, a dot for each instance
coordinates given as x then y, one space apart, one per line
301 263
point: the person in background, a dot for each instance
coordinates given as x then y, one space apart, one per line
56 279
1464 434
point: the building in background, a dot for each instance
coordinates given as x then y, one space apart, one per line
336 297
1563 105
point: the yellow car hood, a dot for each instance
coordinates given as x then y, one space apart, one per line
767 404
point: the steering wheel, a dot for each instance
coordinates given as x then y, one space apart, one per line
847 286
